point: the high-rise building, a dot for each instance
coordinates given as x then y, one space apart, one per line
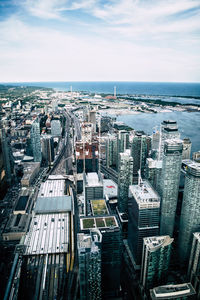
196 156
89 257
190 213
169 130
47 149
125 178
92 119
155 260
92 188
111 151
186 148
111 251
35 141
169 184
122 143
153 172
7 158
144 212
56 129
194 263
139 151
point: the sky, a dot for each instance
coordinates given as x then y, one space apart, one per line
98 40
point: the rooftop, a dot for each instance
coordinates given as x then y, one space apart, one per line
52 188
156 242
53 204
172 291
110 188
49 233
99 207
98 222
93 179
144 193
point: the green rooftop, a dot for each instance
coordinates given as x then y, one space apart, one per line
98 222
99 207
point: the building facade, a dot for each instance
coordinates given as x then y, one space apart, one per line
194 263
35 141
169 184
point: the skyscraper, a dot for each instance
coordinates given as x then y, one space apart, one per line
169 130
56 129
190 213
122 143
47 149
143 211
169 184
155 260
89 257
7 157
35 141
125 178
111 151
194 263
139 152
153 172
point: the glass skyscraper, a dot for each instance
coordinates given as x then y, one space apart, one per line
190 213
194 263
155 260
125 177
89 257
169 184
35 141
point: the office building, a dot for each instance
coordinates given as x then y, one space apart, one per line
7 157
186 148
56 129
92 188
139 151
87 155
143 211
194 263
92 119
190 213
125 178
169 184
111 152
111 251
196 156
47 149
35 141
155 260
169 130
89 257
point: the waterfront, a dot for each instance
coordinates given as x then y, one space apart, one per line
188 123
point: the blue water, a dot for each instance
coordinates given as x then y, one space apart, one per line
188 123
130 88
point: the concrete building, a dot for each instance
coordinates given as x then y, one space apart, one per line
89 257
92 188
155 260
111 151
144 212
7 157
169 184
125 178
194 263
190 213
35 141
30 170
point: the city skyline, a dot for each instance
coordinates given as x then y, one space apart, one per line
123 40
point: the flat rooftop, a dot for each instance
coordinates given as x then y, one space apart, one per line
52 188
156 242
110 188
99 207
93 179
21 203
49 233
144 193
172 291
53 204
98 222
